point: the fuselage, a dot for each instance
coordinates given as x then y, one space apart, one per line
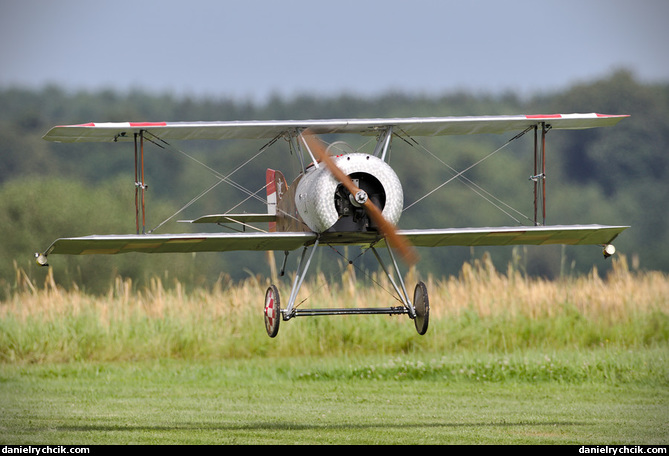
316 202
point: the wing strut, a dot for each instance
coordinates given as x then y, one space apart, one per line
139 182
539 178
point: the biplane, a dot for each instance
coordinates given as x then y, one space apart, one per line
349 199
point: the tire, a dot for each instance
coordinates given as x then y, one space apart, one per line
421 303
272 311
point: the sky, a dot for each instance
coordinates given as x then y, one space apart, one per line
254 49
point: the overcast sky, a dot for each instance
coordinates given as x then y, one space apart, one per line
251 49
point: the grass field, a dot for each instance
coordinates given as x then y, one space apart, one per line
507 359
368 400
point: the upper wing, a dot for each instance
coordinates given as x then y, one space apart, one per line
267 129
178 243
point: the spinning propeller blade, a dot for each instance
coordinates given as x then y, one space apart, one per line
394 239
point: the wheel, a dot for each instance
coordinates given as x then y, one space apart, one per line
421 303
272 311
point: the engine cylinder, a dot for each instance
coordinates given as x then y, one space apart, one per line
325 205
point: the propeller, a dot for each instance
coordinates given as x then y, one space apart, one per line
394 239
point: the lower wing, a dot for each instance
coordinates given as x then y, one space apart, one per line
178 243
224 242
531 235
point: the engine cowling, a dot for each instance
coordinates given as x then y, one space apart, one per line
325 205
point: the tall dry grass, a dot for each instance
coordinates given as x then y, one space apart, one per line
480 309
618 297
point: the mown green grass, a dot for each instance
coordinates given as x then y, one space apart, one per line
528 398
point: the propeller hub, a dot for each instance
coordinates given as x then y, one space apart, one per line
359 199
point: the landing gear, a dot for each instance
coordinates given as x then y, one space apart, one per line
421 304
419 310
272 311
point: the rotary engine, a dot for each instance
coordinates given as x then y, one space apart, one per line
325 205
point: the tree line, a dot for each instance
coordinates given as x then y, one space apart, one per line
611 176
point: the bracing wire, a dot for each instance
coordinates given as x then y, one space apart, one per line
460 175
221 177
